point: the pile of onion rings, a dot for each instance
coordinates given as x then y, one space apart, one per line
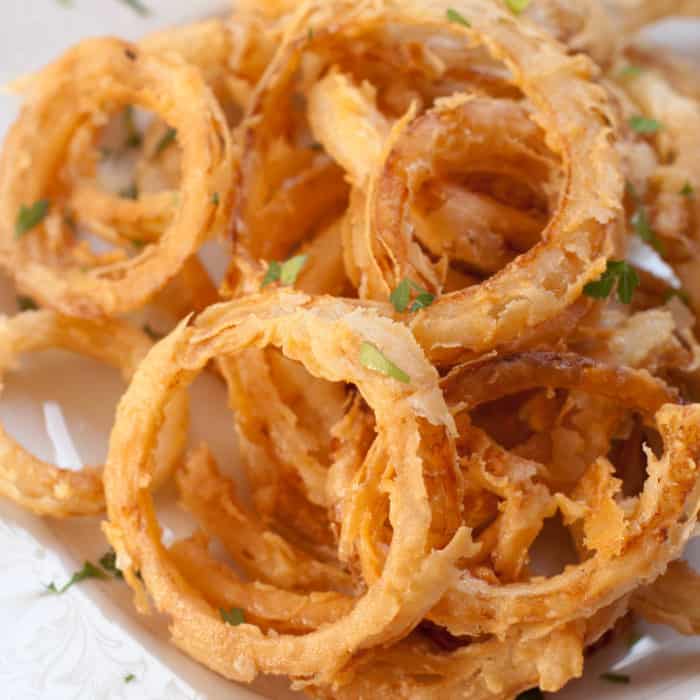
440 351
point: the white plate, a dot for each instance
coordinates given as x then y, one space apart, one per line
82 645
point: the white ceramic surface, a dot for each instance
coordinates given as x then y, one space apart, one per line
82 645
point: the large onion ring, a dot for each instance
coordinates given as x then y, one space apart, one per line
570 108
324 334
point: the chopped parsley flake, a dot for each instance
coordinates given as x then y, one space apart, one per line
641 224
31 216
137 6
215 199
129 678
454 16
644 125
615 678
517 6
285 273
372 358
630 71
401 297
688 190
234 616
108 561
89 570
643 229
618 272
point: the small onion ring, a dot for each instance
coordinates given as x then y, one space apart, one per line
44 488
87 79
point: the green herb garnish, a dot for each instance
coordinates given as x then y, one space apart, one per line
26 304
31 216
108 561
644 125
272 275
166 140
88 571
454 16
643 229
215 199
372 358
401 296
290 270
630 71
285 273
688 190
129 678
137 6
615 678
517 6
641 224
234 616
133 135
617 272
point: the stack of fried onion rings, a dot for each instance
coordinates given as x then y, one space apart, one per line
469 447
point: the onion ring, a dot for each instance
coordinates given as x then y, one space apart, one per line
94 74
316 332
44 488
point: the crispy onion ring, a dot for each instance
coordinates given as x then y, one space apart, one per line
543 282
320 333
89 78
540 284
44 488
481 670
655 530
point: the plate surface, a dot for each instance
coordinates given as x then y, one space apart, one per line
82 645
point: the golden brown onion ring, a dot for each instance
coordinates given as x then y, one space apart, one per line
655 529
574 113
324 334
90 78
490 669
44 488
